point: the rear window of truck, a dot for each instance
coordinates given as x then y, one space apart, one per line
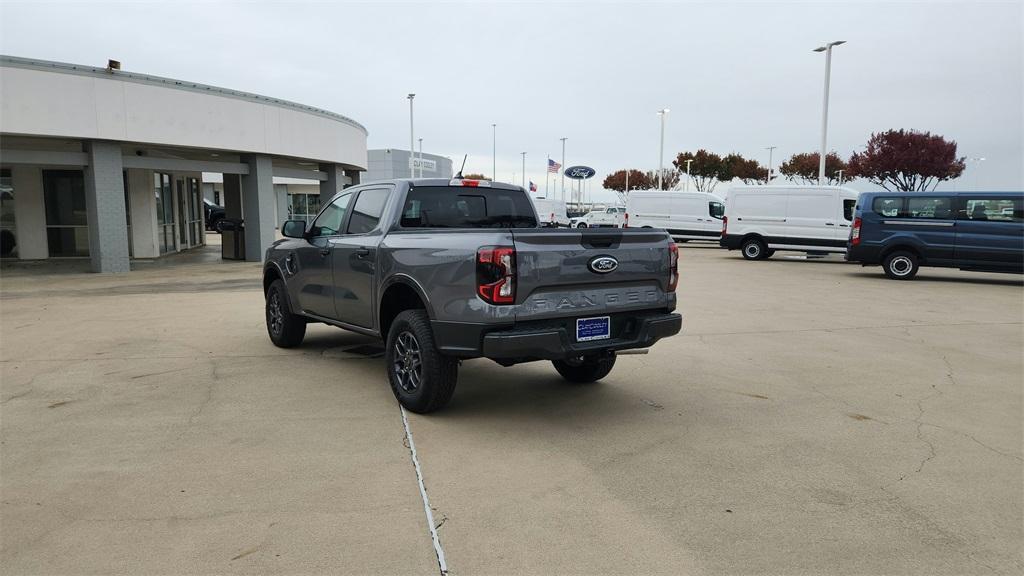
464 207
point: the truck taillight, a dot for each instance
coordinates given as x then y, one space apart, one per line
673 265
625 220
725 224
496 274
855 232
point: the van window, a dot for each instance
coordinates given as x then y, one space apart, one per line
889 207
996 209
848 206
716 209
929 207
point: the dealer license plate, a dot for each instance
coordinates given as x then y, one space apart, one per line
599 328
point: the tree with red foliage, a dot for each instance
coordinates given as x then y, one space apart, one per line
704 168
637 181
736 166
804 166
907 160
669 179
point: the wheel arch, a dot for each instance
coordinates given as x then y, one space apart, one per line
397 294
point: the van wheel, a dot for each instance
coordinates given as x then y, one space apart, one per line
585 369
286 330
900 265
581 225
755 249
421 378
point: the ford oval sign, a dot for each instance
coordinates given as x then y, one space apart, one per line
603 264
579 172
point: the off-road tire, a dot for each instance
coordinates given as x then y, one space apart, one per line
437 373
586 369
286 330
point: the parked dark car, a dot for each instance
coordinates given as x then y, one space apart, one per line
902 231
214 215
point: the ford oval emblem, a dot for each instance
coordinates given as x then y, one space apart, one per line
579 172
603 264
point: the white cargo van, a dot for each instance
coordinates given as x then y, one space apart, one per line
551 213
685 215
762 219
604 218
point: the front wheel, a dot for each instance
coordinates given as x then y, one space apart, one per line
581 225
585 369
900 265
286 330
754 249
421 378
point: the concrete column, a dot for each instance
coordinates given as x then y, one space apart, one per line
258 206
104 203
29 212
354 177
232 196
142 205
281 203
336 181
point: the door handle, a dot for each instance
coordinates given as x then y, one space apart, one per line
362 252
325 251
830 223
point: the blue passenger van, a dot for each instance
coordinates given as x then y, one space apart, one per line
902 231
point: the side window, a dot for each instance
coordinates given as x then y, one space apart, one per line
367 210
716 209
888 207
929 207
995 209
329 221
848 206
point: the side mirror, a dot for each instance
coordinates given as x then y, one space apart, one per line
294 229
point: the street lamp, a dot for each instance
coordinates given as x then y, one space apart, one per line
840 176
770 150
827 49
563 167
412 149
421 157
688 174
661 148
978 159
524 172
494 152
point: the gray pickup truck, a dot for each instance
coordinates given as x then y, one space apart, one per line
445 270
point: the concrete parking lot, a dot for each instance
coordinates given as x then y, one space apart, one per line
813 418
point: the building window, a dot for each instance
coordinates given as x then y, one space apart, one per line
8 234
67 225
164 211
303 206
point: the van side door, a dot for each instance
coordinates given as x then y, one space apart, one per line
990 233
354 256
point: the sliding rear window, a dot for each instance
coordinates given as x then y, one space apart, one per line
464 207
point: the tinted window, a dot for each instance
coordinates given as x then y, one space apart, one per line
848 206
367 210
887 206
929 207
329 221
995 209
463 207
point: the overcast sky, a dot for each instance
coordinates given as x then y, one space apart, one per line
736 76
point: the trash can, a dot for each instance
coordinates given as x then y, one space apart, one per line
232 239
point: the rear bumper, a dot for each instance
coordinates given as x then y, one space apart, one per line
730 241
865 254
556 341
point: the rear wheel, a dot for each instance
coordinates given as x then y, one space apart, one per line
585 369
286 330
421 378
754 249
900 265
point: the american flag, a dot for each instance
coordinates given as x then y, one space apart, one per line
553 167
533 187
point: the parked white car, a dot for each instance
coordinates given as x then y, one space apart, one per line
762 219
612 217
685 215
551 213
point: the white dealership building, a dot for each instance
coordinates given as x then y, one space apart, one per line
105 164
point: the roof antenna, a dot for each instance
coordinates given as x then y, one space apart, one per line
459 175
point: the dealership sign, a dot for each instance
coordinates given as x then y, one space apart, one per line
580 172
428 165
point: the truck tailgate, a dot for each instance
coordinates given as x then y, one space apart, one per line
555 277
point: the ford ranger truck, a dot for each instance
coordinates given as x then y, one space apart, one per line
447 270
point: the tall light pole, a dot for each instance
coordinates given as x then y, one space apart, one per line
412 148
979 160
827 49
524 172
661 148
770 149
688 174
840 176
421 157
494 152
563 167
